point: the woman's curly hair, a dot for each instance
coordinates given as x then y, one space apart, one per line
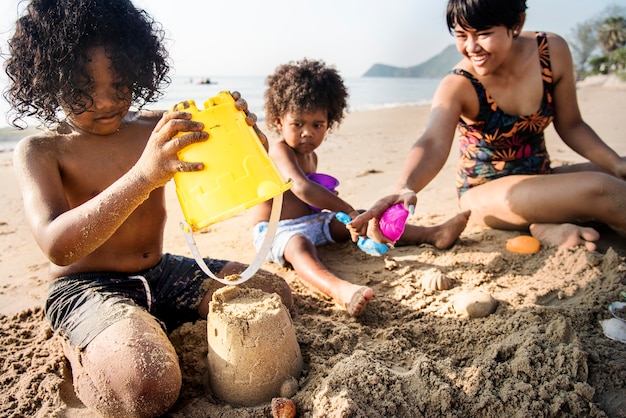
49 50
305 86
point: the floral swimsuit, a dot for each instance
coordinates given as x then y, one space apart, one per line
500 144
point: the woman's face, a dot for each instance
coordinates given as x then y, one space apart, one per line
107 110
485 49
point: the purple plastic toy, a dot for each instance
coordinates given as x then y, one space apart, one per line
329 182
393 222
325 180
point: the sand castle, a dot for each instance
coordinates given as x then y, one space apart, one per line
253 352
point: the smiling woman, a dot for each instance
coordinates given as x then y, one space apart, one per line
501 96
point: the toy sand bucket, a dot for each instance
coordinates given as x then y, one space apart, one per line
238 174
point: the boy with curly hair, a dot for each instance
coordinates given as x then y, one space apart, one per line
93 191
303 101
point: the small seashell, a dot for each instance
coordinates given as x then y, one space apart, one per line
618 310
523 244
283 408
615 329
433 279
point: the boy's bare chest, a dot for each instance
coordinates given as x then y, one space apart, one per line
88 168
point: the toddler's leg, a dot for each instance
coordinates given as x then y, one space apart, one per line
129 370
302 255
442 236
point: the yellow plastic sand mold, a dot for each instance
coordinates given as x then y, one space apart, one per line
238 173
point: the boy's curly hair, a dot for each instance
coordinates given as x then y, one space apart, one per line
48 54
305 86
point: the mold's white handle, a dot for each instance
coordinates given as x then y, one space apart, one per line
250 271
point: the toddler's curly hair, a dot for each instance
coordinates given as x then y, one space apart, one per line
49 50
305 86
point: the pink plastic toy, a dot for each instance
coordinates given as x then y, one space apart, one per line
393 221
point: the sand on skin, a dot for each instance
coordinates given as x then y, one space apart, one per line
542 352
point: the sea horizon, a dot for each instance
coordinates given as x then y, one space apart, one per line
365 93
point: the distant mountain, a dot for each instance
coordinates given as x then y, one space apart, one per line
435 67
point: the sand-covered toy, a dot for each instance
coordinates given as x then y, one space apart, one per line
253 352
434 279
475 304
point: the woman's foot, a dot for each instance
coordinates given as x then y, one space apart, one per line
565 235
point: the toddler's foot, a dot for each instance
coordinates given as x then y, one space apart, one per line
354 298
445 235
565 235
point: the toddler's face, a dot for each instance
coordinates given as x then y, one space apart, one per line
107 110
304 131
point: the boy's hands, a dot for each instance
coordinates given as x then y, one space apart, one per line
251 118
159 160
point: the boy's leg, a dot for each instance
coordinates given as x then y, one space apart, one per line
302 255
129 370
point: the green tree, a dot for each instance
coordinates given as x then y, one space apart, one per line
619 58
612 36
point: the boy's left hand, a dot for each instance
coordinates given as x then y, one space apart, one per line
251 118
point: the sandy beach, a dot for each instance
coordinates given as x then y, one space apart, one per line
541 353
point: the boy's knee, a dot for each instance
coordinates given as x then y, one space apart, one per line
153 396
149 390
129 370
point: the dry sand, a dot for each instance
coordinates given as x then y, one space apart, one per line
541 353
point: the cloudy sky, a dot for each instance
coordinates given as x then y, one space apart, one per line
252 37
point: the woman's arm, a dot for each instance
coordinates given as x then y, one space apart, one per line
568 122
428 154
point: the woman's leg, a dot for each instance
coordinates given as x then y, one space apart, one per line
302 255
575 197
129 370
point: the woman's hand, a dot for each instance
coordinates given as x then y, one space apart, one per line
251 118
367 222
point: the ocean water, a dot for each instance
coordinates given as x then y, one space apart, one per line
366 93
